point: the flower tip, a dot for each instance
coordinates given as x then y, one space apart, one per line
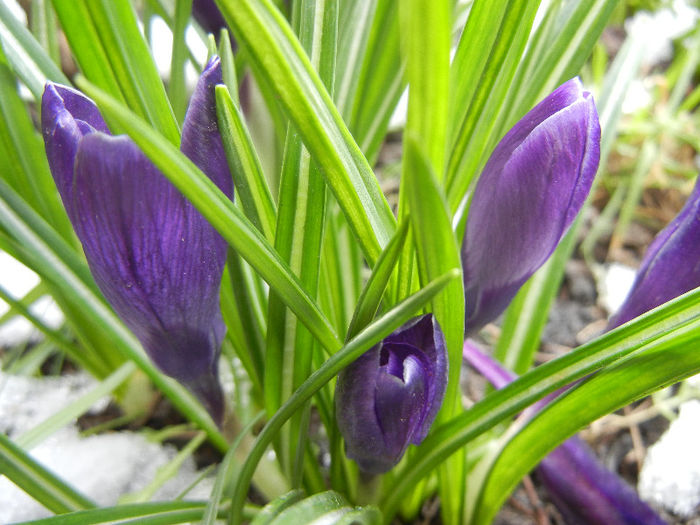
211 74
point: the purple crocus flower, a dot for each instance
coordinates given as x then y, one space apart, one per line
527 196
671 265
389 396
583 490
207 15
154 257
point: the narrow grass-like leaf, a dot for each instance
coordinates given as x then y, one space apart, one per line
380 82
560 57
437 251
367 338
341 267
63 417
26 56
243 331
25 168
43 25
112 53
355 17
472 56
248 177
55 336
268 38
166 472
300 225
328 507
221 213
177 90
228 65
325 507
156 513
227 472
45 487
537 383
371 296
655 366
474 133
428 74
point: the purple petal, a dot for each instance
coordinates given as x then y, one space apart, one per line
155 258
388 398
399 406
66 116
671 265
529 193
208 16
356 415
424 333
587 493
201 140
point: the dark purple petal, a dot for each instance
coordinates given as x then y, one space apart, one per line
424 334
671 265
66 116
207 14
389 397
155 258
201 140
529 193
587 493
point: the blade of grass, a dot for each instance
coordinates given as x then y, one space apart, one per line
380 82
437 251
112 53
157 513
300 226
248 177
473 135
268 38
177 90
227 470
372 294
26 56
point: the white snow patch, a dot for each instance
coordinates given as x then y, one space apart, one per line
18 280
670 476
616 283
103 467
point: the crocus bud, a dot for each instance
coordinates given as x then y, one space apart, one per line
583 490
207 15
154 257
671 265
389 397
527 196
